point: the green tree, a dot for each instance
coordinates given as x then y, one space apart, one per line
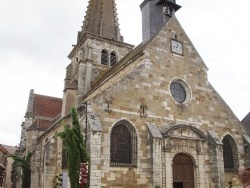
75 148
24 163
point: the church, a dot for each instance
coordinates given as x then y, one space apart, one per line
148 113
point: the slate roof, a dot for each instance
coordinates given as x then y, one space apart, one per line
73 85
155 133
101 19
246 122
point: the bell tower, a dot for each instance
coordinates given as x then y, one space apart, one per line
99 47
155 14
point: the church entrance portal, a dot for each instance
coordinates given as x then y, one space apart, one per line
183 171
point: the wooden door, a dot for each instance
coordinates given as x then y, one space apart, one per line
183 171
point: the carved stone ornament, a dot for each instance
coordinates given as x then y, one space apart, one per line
244 176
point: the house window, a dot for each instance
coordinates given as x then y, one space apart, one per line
229 153
123 144
104 57
113 59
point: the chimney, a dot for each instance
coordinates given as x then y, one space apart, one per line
155 14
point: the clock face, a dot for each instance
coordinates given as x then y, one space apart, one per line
177 47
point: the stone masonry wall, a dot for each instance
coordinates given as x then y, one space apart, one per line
147 81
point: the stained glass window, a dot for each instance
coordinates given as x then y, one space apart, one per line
178 92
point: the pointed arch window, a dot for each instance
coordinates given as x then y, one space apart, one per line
123 146
104 57
230 153
113 58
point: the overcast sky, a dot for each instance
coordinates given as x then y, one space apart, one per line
37 35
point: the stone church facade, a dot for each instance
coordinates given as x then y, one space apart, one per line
148 113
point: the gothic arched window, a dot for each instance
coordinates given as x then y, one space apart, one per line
123 144
229 153
113 58
104 57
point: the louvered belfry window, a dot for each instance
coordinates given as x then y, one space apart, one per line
123 144
104 57
227 154
113 59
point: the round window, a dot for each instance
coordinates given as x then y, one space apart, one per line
180 91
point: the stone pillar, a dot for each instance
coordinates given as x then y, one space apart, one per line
95 151
85 72
35 167
156 162
246 139
169 168
216 160
156 155
29 111
200 162
88 73
95 156
50 151
81 82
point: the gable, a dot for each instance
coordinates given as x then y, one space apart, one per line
146 80
246 122
161 44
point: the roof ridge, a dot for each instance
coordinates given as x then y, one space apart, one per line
35 94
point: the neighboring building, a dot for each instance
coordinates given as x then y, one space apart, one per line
42 111
6 165
149 114
246 122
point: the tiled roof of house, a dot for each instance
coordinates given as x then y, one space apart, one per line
45 106
10 149
2 148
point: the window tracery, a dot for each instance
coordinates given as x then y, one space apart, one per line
123 144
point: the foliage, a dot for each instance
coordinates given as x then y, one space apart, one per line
58 181
24 163
14 170
230 184
75 148
157 186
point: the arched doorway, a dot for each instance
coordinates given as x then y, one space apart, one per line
183 171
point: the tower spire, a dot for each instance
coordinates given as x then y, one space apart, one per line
101 19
